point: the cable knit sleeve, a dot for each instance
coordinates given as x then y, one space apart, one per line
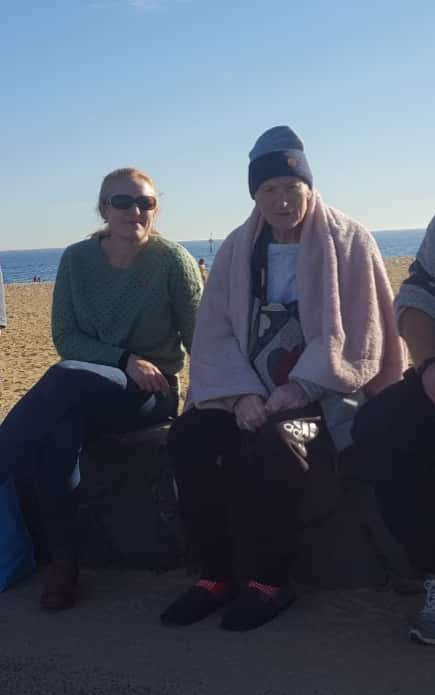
3 321
72 343
185 286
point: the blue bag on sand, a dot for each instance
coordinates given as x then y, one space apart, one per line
16 550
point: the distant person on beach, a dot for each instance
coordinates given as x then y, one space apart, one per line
395 430
296 327
203 270
3 320
124 304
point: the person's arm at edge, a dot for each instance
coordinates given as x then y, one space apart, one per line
418 330
415 303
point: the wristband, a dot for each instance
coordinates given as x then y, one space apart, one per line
122 362
424 365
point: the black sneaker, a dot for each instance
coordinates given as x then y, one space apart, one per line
253 607
195 604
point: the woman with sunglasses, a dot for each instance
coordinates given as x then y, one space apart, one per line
296 322
124 303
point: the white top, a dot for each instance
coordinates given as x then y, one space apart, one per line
281 273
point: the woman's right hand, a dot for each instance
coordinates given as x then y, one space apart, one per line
146 375
250 412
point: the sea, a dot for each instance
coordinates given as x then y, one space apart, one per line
24 266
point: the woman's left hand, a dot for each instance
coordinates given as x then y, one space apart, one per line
286 397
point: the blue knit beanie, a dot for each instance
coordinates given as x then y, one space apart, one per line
278 152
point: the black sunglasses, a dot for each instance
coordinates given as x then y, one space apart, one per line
122 201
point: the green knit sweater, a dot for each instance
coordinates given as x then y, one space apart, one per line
148 309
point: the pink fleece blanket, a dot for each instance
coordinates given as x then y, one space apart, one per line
345 306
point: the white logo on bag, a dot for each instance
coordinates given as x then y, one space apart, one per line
301 431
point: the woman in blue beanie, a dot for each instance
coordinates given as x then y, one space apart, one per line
284 348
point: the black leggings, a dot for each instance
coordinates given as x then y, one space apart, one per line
397 432
239 493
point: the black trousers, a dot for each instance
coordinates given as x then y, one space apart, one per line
240 493
396 430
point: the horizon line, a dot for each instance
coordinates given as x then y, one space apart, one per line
206 241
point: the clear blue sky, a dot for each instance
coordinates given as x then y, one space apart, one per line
182 88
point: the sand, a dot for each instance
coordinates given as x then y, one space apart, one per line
337 642
112 643
26 348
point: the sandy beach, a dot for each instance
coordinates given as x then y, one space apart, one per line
26 348
331 642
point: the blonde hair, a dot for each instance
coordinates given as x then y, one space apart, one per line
129 173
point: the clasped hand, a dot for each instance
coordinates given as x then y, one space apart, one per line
252 411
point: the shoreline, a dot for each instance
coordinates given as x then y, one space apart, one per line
32 284
26 348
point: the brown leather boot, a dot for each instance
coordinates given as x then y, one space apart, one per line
60 585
